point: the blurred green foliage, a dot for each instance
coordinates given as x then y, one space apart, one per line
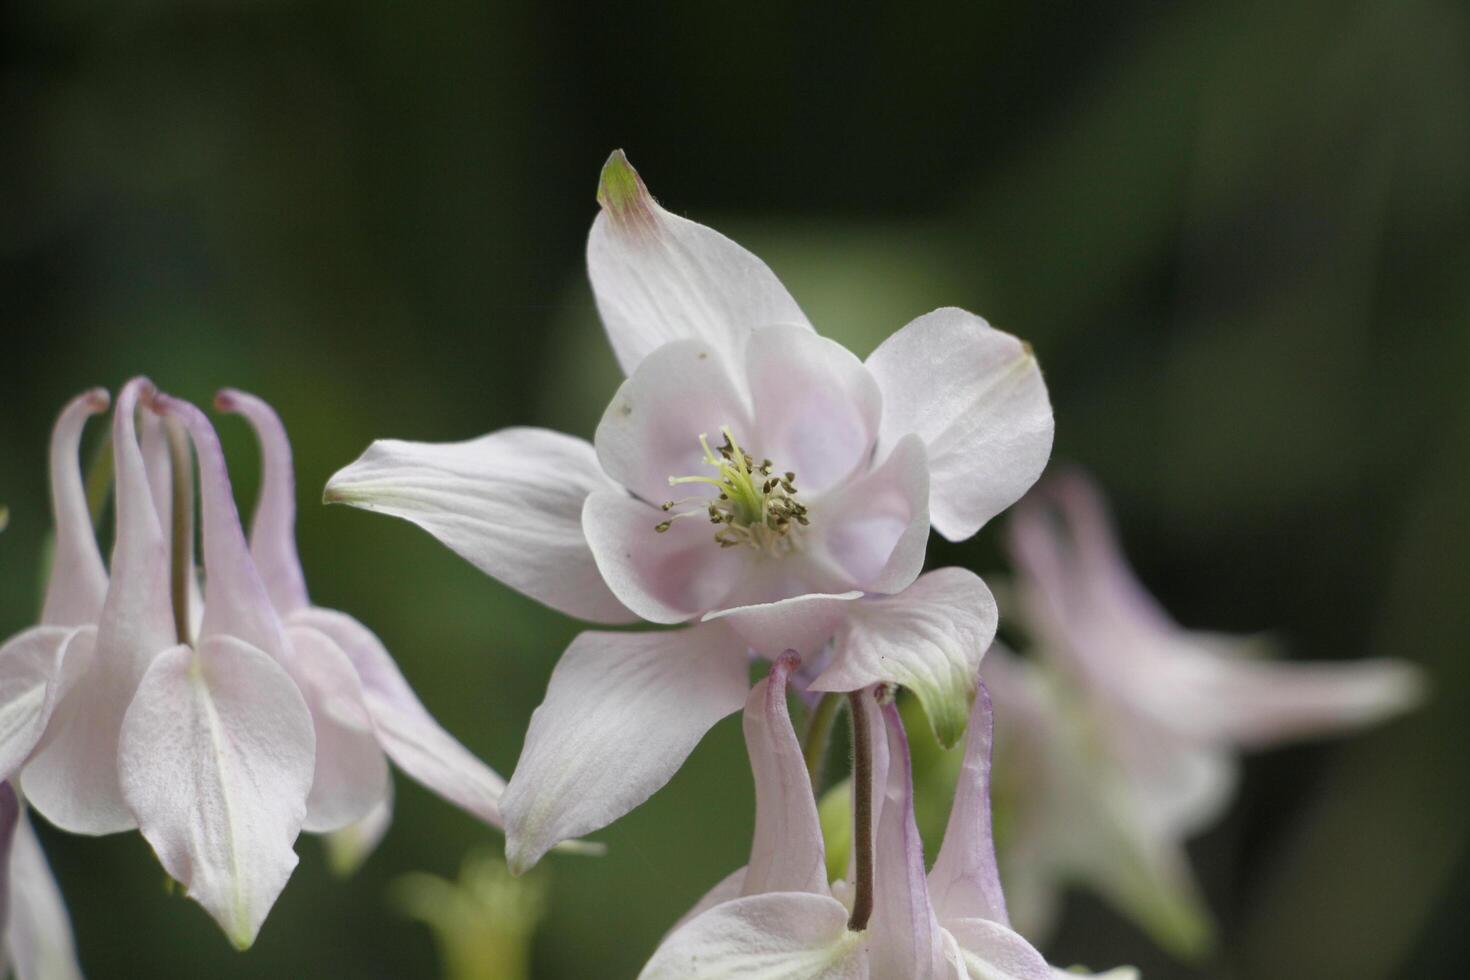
1237 235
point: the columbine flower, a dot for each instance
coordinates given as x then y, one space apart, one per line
1121 739
750 478
778 918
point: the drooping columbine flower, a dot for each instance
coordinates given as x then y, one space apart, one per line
749 478
778 918
1121 738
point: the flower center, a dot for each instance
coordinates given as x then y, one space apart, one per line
756 506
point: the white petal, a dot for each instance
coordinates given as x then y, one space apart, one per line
965 881
38 936
875 527
349 847
30 685
658 277
802 623
928 638
976 397
622 713
816 407
786 854
778 936
351 776
992 951
78 581
651 428
407 732
510 503
216 759
664 576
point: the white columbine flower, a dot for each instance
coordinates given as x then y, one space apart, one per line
750 478
1120 739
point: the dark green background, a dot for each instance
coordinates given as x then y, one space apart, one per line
1236 234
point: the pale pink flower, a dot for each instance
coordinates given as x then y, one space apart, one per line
751 479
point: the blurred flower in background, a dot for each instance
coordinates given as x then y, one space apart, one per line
483 922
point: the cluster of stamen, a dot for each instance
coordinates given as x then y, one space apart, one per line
756 506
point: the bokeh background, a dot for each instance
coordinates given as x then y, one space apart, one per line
1237 234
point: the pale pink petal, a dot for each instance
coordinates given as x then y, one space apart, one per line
993 951
786 853
664 576
154 437
78 582
31 683
965 880
658 277
928 638
976 397
38 936
875 528
351 776
415 742
816 407
904 937
651 429
730 887
622 713
235 599
273 528
72 777
350 847
776 936
802 623
216 759
510 503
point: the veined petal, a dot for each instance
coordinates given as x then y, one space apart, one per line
802 623
976 397
993 951
78 583
904 937
652 426
776 936
236 603
273 529
658 277
786 853
622 713
407 732
817 408
216 759
31 666
965 880
351 776
664 576
929 638
38 936
510 503
876 527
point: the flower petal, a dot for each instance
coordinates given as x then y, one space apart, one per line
407 732
652 427
904 937
155 439
38 936
273 528
817 408
786 853
928 638
658 277
622 713
31 682
778 936
993 951
664 576
216 759
965 880
976 397
509 503
9 821
802 623
875 528
351 776
350 847
78 583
